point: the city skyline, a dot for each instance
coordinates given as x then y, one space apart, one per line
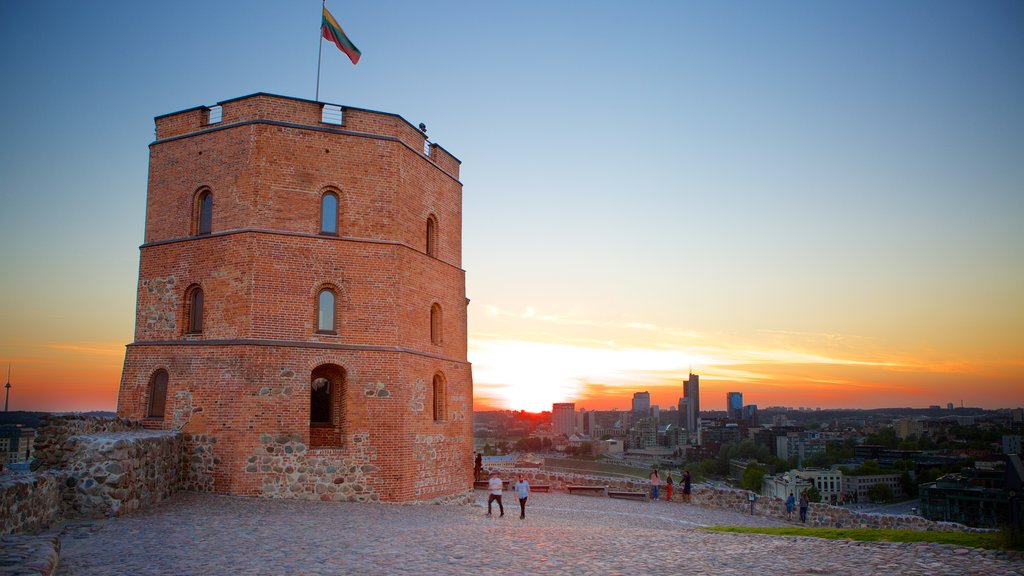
818 205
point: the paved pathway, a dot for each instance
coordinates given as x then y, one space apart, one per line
579 535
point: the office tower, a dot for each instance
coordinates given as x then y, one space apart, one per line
563 418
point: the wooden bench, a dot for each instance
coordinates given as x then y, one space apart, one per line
628 495
589 490
541 488
483 484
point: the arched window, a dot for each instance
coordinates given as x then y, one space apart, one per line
320 400
329 213
431 235
194 312
435 324
325 312
157 394
326 405
439 398
204 212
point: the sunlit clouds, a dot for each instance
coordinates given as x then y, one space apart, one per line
533 367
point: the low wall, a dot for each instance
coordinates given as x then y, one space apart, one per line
29 502
818 515
114 473
51 449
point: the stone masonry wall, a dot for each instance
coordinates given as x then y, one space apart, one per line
51 437
29 502
818 515
115 473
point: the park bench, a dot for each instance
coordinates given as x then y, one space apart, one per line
483 484
588 490
541 488
627 495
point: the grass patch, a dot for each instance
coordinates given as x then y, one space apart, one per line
988 540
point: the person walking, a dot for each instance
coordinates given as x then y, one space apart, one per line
522 488
655 484
790 504
668 486
495 485
804 504
686 486
478 465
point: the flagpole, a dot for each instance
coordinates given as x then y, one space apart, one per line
320 49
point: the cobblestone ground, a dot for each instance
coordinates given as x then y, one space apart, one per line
205 534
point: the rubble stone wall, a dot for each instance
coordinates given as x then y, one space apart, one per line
115 473
818 515
52 436
29 502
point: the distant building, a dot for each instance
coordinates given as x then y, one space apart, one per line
643 434
949 406
641 404
782 485
691 392
828 482
563 419
750 414
909 427
979 498
16 444
798 445
855 488
586 422
1011 443
734 405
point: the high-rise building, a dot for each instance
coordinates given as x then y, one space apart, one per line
734 405
586 422
563 418
681 414
656 413
691 392
641 404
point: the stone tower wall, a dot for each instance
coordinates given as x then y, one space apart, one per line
240 390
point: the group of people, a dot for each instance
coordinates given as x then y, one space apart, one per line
669 483
496 486
804 505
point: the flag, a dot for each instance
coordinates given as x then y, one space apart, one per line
332 31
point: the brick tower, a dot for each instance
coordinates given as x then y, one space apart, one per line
301 311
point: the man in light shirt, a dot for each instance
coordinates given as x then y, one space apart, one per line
522 489
495 485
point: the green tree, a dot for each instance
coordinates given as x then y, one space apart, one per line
880 492
752 478
813 495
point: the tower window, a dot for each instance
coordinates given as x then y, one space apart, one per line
157 394
439 398
325 312
194 312
431 236
204 213
329 213
435 324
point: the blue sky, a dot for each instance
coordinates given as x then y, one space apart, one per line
731 171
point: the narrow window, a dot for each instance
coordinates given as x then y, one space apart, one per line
438 398
431 236
204 222
435 324
325 312
320 401
329 213
157 394
195 311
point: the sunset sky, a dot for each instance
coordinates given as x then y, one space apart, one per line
814 203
